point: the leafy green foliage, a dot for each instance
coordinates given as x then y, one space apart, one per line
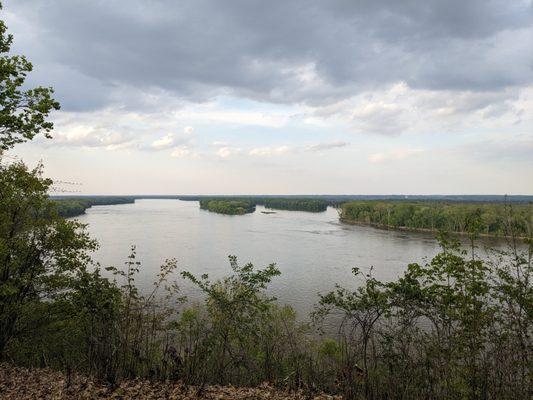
230 207
23 113
40 253
78 205
450 328
237 311
484 218
243 206
297 204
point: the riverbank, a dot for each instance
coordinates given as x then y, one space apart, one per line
489 219
418 230
18 383
74 207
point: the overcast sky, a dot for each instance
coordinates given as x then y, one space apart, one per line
283 97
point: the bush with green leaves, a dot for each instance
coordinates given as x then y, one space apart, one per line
457 326
243 327
40 253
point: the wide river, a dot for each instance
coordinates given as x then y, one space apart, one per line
313 250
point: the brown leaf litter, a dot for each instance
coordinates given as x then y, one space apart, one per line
24 384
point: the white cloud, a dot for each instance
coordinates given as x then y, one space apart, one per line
171 140
269 151
165 142
80 135
180 151
326 146
115 129
394 155
213 114
281 150
401 109
218 143
226 152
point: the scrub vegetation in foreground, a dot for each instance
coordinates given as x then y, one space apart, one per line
456 327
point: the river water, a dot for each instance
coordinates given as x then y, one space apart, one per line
312 250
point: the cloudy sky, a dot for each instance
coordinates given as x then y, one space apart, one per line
283 97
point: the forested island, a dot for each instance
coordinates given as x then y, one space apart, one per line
310 205
229 207
490 219
233 206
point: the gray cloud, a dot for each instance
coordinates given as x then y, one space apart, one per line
99 52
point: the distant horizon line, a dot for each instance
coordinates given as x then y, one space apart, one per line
290 195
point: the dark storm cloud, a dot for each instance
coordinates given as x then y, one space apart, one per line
314 52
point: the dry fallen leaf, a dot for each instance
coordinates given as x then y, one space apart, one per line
18 383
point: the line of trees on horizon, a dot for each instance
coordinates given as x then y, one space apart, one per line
485 218
236 206
310 205
69 208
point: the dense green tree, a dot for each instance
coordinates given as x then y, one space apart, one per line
23 112
72 207
40 253
311 205
228 206
488 218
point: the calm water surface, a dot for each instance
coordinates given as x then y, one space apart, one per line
313 250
